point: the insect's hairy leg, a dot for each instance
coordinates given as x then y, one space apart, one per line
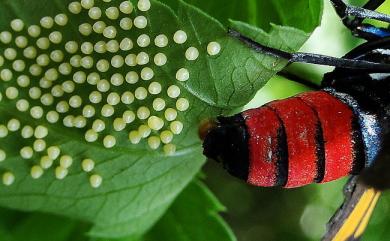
310 58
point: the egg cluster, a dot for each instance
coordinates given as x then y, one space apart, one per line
100 82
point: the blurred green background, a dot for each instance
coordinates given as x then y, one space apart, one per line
257 214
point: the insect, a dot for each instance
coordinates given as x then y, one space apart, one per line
320 136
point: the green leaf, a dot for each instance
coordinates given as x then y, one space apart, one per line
139 183
193 216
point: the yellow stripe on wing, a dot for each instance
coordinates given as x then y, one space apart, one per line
358 219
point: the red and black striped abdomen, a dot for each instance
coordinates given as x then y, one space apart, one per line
313 137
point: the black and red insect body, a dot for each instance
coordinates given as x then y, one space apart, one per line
319 136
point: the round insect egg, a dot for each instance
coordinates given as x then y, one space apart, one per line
51 74
30 52
107 110
112 46
176 127
134 137
85 29
192 53
23 81
79 122
43 60
95 97
36 112
10 54
47 22
75 61
11 93
19 65
53 152
55 37
182 104
3 131
91 136
98 125
182 74
140 22
26 152
170 114
71 47
87 4
155 88
21 42
6 75
13 125
166 137
103 65
113 99
154 142
17 25
213 48
119 124
27 132
87 165
22 105
79 77
45 83
126 7
57 56
112 13
110 32
117 79
100 47
64 68
143 5
180 37
66 161
41 132
8 178
95 13
142 58
68 86
143 40
141 93
34 31
147 73
68 121
161 41
155 123
3 155
46 162
131 60
126 44
160 59
87 62
43 43
143 113
117 61
47 99
62 107
5 37
35 93
169 149
74 7
61 19
39 145
52 117
128 116
86 48
126 23
35 70
99 27
109 141
144 131
61 172
103 85
93 78
88 111
95 181
158 104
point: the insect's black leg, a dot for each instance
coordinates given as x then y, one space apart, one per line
312 58
353 18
